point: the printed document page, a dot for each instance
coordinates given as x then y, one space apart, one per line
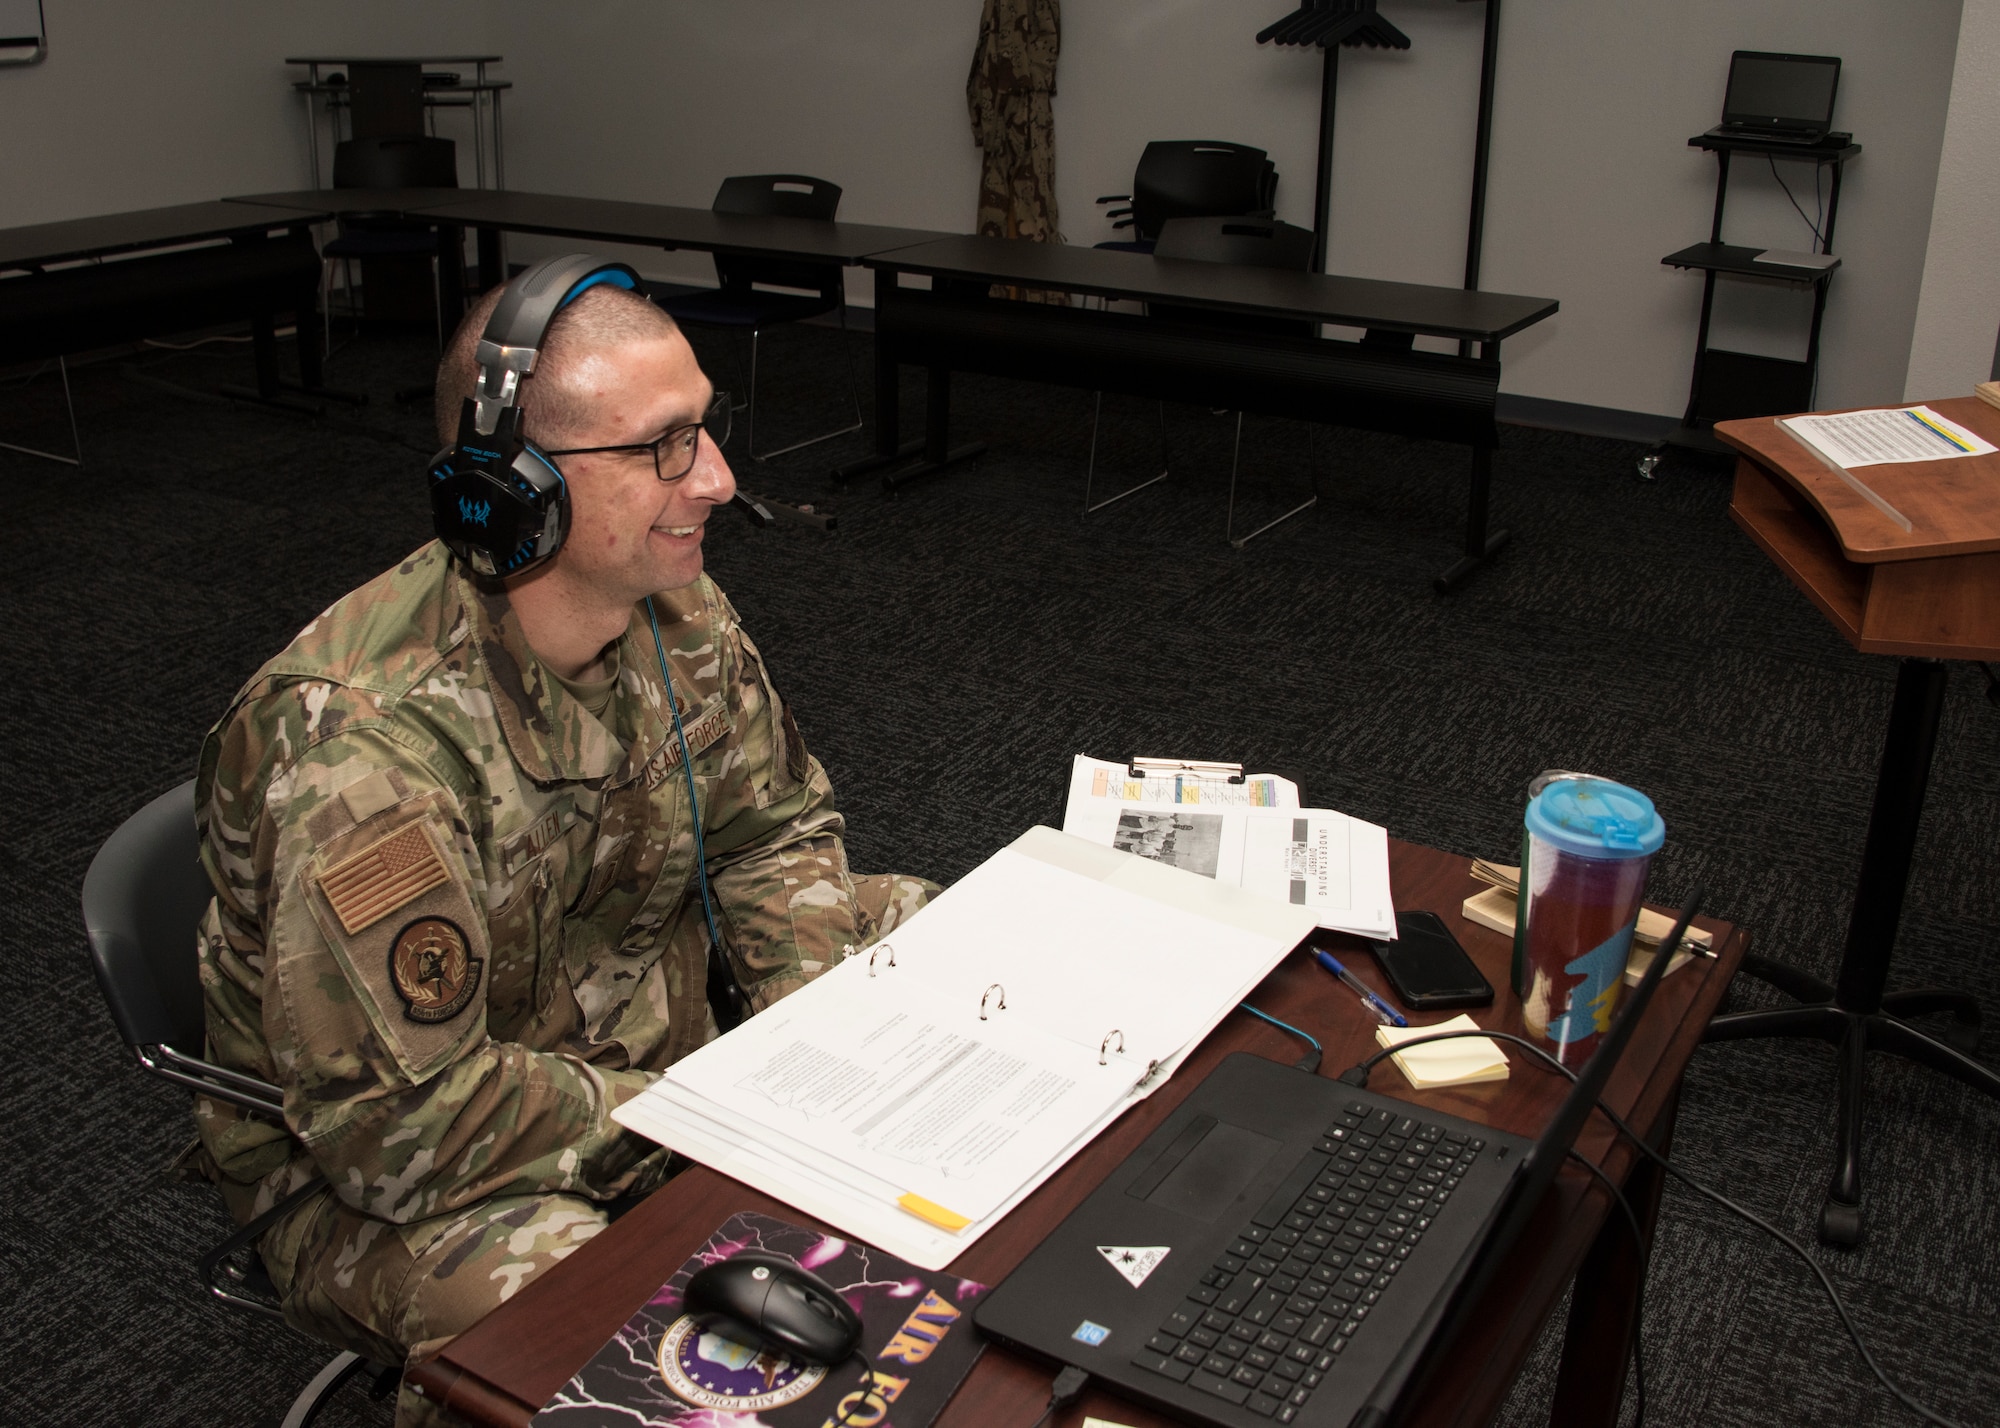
1336 866
1333 865
1884 436
958 1114
1077 959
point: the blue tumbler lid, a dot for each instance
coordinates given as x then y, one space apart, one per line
1596 818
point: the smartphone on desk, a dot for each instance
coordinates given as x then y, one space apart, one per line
1427 966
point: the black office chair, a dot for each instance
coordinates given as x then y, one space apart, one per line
758 293
1262 243
143 900
1192 178
413 161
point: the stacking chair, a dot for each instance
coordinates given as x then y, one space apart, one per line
759 293
143 900
412 161
1263 243
1192 178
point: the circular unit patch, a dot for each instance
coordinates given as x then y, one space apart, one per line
712 1370
433 969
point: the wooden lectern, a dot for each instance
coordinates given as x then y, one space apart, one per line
1925 594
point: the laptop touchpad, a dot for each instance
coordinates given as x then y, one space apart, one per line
1204 1178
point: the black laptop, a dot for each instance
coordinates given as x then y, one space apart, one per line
1288 1249
1773 98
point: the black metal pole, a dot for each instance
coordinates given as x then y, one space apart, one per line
1886 858
1323 192
1482 144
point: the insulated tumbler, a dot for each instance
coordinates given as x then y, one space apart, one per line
1585 850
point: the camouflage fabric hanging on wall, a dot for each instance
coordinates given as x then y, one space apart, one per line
1009 91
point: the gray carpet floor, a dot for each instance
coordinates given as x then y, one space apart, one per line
947 652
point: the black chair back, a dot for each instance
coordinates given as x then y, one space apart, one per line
385 97
788 196
1251 242
1192 178
412 161
143 900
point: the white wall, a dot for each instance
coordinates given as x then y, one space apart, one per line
1592 179
142 104
1958 313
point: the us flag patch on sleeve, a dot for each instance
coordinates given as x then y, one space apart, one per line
368 886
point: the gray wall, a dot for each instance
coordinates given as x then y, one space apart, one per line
1592 180
141 104
1959 311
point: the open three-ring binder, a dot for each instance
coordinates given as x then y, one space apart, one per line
915 1093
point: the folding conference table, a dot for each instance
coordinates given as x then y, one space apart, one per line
91 282
1379 383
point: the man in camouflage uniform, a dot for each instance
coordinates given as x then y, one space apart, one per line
1009 94
456 916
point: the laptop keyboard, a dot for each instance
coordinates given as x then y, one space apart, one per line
1265 1325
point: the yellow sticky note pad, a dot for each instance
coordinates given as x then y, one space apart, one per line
1445 1063
933 1214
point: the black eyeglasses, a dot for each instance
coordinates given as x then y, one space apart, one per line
673 454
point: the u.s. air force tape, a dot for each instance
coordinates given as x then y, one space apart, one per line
433 970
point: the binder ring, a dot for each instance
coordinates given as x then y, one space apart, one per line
1107 1042
878 949
996 987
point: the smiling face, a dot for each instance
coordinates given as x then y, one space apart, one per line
630 533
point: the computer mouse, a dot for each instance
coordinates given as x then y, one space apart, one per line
788 1310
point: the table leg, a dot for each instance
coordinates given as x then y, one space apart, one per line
938 453
1604 1304
889 448
1479 543
492 260
450 279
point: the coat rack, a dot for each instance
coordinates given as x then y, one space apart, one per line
1331 24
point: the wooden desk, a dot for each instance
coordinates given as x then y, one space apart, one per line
1379 384
1927 594
503 1369
1933 590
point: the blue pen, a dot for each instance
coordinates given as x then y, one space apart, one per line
1384 1013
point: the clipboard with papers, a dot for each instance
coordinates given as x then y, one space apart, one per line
915 1093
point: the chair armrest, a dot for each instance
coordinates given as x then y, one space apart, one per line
246 1092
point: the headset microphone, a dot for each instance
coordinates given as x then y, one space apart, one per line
500 504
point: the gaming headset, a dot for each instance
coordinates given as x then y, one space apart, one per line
497 501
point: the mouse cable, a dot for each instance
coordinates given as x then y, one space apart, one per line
1357 1075
867 1382
1308 1062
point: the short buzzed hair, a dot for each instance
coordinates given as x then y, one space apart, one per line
603 316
